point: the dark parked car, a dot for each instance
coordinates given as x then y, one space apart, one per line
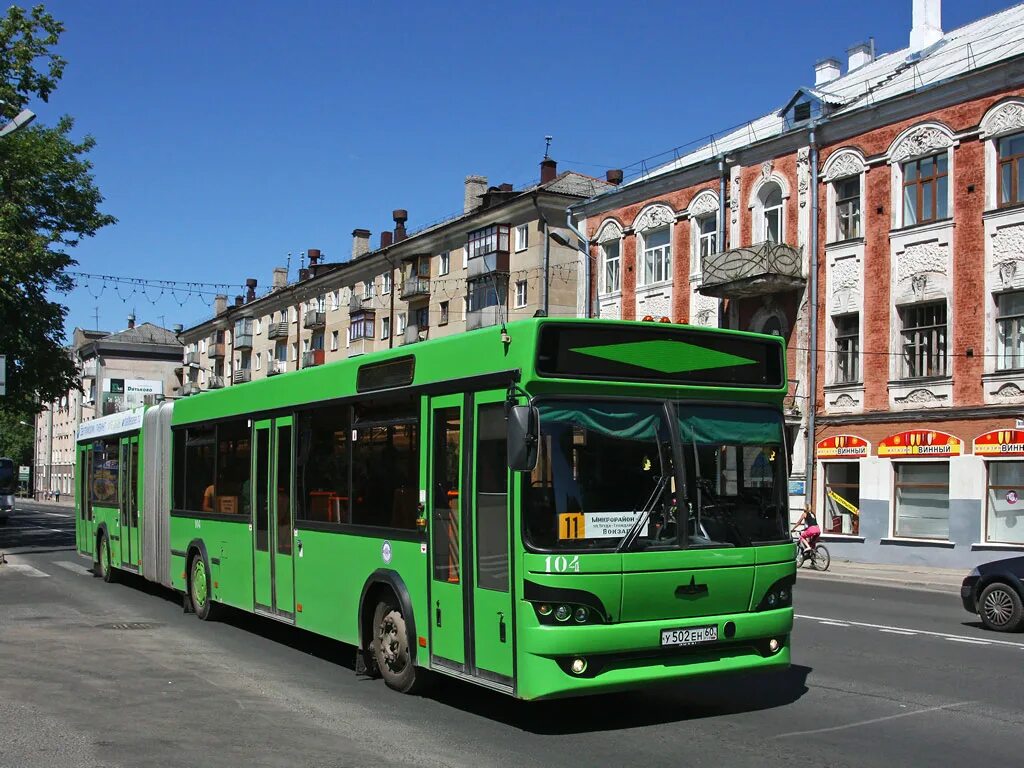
995 591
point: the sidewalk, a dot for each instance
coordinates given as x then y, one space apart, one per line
64 503
920 577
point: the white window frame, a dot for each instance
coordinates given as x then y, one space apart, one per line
385 328
703 241
334 341
401 323
385 283
661 254
444 263
521 294
258 326
522 237
295 351
606 261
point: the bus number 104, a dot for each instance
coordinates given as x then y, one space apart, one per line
561 564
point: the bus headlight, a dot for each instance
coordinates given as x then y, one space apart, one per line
562 613
581 614
779 595
544 609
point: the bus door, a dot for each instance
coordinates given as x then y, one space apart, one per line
84 503
273 522
129 501
492 595
445 508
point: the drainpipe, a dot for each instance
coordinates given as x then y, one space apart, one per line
547 256
722 169
813 357
586 260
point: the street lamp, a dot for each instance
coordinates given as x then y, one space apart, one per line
20 120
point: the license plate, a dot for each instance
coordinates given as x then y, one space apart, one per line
690 635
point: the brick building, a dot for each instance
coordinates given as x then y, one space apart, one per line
880 212
470 271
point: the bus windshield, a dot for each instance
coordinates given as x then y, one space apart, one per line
606 478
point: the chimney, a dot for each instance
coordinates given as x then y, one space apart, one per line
400 216
475 188
313 254
858 55
239 301
250 289
614 176
131 320
826 70
548 170
220 304
280 279
360 242
303 274
927 29
385 239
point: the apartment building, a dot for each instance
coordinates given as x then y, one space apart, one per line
118 371
508 255
876 221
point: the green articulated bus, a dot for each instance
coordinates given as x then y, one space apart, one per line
563 507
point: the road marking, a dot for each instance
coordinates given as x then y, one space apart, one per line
967 640
24 568
822 619
834 623
56 514
78 568
875 720
898 631
31 527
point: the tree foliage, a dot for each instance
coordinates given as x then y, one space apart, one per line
15 437
48 203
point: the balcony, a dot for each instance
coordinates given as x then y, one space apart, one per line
414 333
243 341
359 302
360 347
215 382
215 350
757 270
314 319
89 367
488 264
415 287
275 367
241 376
312 358
191 358
190 388
277 330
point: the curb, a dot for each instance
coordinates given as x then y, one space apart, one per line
882 581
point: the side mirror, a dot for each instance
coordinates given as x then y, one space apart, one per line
523 437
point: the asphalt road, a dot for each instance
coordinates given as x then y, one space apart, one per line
95 674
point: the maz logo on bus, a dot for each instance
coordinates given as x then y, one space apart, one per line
561 564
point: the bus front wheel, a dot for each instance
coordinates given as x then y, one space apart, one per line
391 649
103 565
199 589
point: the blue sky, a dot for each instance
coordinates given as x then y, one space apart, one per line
232 133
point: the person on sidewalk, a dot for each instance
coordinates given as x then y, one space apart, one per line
811 531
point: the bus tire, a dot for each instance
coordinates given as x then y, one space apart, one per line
392 650
199 588
104 569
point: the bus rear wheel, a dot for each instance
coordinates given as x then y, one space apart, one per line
392 651
106 571
199 589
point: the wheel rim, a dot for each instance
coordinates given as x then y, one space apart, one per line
199 583
392 643
998 607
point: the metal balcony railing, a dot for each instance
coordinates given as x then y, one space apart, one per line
314 319
754 270
413 287
312 358
241 376
277 330
359 302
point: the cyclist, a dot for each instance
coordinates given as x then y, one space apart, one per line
811 531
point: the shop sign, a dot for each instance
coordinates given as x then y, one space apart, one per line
1000 442
842 447
920 443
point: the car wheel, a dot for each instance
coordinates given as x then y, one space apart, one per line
391 649
1000 608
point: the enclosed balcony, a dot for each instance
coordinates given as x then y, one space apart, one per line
243 341
314 319
755 270
277 330
488 250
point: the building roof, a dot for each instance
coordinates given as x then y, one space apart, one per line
981 43
144 333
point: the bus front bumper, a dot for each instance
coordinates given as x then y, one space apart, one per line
630 655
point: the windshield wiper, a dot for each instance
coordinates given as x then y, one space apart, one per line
645 513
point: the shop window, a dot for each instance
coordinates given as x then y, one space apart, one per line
842 498
922 500
1005 515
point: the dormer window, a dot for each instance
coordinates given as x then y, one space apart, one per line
802 112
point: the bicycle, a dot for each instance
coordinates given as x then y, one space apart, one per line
815 552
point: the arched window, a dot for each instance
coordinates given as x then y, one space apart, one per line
771 212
